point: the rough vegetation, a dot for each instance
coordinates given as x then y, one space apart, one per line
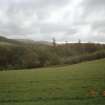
16 55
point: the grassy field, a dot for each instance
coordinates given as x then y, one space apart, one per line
79 84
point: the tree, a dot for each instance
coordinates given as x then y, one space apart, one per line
79 41
54 42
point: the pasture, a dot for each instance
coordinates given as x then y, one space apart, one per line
78 84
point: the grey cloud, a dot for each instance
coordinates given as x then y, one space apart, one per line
94 15
18 11
93 9
44 19
93 5
98 25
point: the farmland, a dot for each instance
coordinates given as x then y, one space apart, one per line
78 84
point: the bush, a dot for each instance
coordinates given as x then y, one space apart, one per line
32 56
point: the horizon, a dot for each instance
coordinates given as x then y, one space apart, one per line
58 42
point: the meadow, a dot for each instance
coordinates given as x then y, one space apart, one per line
78 84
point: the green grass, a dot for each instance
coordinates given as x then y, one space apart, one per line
68 85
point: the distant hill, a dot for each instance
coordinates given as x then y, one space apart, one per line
29 41
5 40
25 40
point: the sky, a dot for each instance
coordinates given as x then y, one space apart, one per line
64 20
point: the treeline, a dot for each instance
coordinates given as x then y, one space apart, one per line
19 56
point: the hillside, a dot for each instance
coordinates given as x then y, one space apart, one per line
4 40
80 84
29 41
23 41
15 54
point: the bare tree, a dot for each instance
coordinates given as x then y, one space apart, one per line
54 42
79 41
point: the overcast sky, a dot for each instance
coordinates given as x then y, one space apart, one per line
66 20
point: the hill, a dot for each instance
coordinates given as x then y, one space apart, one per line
4 40
29 41
79 84
15 54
